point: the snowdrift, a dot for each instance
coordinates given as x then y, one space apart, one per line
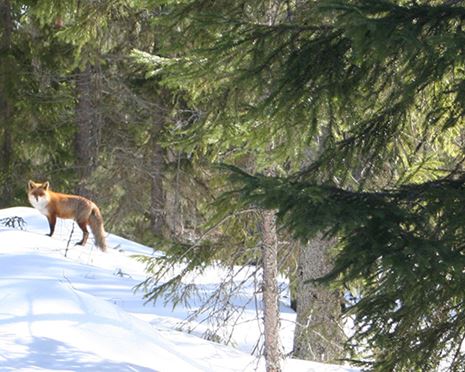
80 313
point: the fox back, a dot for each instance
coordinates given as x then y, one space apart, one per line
65 206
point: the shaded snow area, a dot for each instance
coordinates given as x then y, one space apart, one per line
80 313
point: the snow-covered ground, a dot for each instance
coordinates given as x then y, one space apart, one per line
80 313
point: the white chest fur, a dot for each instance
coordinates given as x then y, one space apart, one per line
40 203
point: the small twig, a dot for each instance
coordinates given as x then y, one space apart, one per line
69 240
13 222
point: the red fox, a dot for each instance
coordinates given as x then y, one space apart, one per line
82 210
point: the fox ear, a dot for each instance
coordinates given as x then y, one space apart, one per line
30 185
45 186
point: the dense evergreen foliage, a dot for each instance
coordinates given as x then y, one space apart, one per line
378 86
401 240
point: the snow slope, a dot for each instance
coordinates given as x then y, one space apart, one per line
79 313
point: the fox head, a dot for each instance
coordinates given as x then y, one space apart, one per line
37 193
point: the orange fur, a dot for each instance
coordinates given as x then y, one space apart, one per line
54 204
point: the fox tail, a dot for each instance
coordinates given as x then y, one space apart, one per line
96 225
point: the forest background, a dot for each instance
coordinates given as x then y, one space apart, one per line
341 124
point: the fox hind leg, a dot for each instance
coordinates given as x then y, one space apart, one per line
85 233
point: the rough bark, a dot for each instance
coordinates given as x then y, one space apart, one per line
270 292
318 335
88 124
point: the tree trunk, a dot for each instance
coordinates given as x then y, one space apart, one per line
157 165
270 291
318 335
6 150
88 128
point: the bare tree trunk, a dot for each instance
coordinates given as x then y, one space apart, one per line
6 150
270 291
318 334
157 167
88 124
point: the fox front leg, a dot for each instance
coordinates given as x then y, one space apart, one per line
52 220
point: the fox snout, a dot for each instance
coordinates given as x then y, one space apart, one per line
38 194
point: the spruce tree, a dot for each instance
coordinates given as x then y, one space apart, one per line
232 58
35 133
378 85
6 100
401 240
